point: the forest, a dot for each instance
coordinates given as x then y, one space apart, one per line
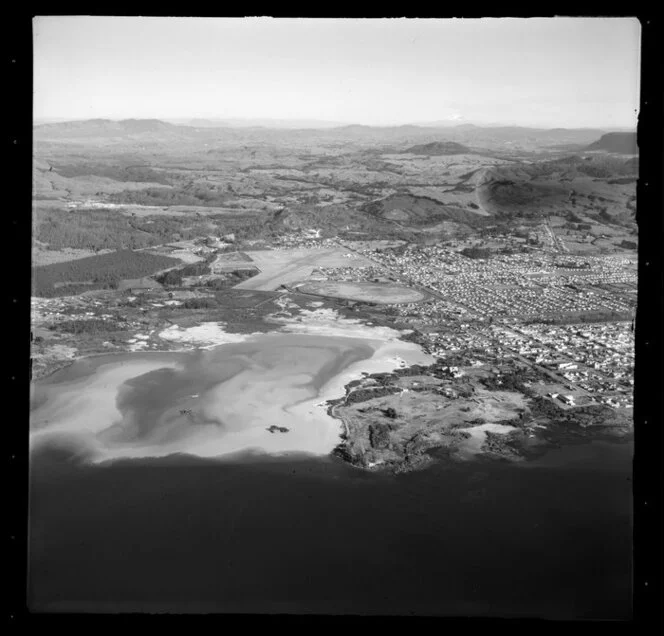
89 229
96 272
173 277
95 229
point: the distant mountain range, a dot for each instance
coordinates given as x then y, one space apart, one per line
425 140
266 122
257 123
104 127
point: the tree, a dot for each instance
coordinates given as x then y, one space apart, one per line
476 252
172 278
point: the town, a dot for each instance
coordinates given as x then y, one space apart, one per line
570 318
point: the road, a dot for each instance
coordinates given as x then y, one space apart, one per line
558 243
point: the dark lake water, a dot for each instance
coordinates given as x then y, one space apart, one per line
551 538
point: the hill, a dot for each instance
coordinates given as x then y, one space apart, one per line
592 186
623 143
439 148
289 124
511 192
411 212
333 220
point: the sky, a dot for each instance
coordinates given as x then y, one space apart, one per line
550 72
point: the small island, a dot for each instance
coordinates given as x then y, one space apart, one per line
277 429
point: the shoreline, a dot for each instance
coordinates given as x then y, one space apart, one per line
67 404
88 356
194 347
318 427
508 440
86 406
279 326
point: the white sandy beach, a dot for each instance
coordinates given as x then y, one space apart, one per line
205 335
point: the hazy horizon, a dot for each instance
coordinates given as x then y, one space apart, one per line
238 122
542 73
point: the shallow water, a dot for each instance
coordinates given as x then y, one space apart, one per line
208 403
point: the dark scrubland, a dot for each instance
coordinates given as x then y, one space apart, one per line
93 326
